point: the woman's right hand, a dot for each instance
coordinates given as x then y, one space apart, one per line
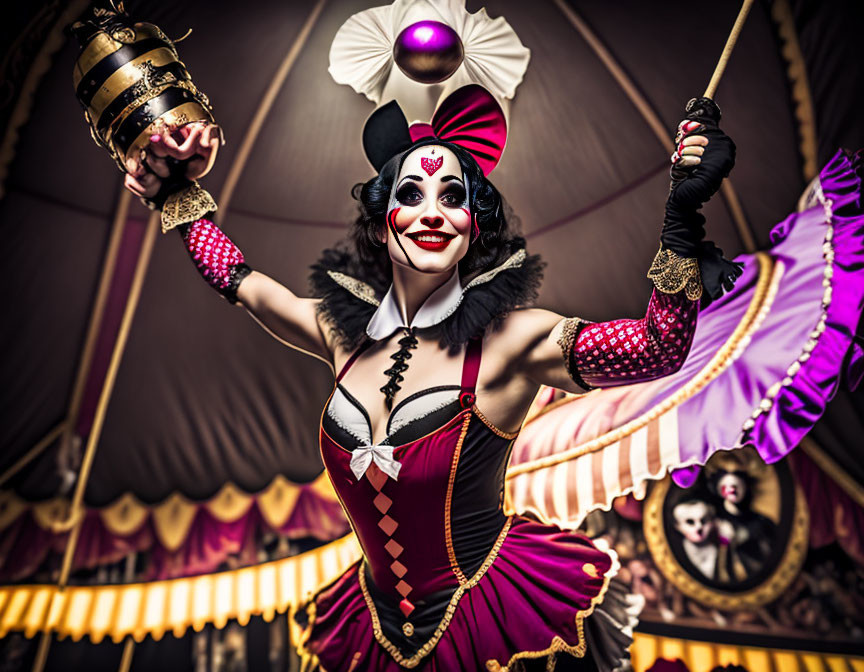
182 155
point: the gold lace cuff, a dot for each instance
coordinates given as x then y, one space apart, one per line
671 273
569 334
186 206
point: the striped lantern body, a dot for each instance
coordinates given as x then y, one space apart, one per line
131 83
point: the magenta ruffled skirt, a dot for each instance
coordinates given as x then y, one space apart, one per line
547 593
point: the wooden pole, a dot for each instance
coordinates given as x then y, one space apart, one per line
121 214
34 452
66 428
42 652
153 226
76 509
651 117
126 659
263 110
727 50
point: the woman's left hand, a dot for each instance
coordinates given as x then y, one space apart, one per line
689 147
703 158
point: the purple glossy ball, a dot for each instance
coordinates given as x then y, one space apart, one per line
428 51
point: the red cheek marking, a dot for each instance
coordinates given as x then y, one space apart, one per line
475 228
391 221
431 165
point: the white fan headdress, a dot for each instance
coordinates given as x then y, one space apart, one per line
362 55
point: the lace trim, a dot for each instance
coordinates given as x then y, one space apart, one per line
558 644
569 334
448 503
671 273
427 648
364 291
236 274
344 425
514 261
495 430
767 402
400 365
357 288
396 424
186 205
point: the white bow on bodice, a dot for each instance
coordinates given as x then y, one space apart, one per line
362 457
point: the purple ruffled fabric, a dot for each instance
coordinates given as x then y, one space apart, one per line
747 402
787 332
798 406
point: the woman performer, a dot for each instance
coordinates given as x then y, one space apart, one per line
422 315
432 386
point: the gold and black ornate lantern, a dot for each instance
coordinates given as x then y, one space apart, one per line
130 81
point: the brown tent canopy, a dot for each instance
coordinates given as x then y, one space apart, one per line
204 397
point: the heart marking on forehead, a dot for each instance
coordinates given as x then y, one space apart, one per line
431 165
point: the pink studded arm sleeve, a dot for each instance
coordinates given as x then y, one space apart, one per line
620 352
217 258
687 269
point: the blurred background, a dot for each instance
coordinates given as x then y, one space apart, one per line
205 428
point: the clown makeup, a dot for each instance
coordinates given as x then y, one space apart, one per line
428 217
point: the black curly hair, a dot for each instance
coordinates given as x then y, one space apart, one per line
363 256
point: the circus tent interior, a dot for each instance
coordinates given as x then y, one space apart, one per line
162 497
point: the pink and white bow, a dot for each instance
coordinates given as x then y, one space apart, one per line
470 117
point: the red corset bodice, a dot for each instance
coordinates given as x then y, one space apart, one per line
406 526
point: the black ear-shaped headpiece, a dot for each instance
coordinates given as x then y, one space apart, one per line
385 134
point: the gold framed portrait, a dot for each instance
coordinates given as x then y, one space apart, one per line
736 538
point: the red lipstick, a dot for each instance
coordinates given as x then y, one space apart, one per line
431 240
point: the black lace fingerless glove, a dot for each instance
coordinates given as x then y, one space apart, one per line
684 225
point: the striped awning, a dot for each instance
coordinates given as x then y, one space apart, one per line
568 489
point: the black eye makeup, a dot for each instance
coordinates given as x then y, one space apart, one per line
409 194
453 196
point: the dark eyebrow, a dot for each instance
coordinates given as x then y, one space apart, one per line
416 178
450 178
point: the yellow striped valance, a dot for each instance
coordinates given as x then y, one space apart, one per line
705 656
141 609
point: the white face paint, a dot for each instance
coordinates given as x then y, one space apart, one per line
694 520
732 488
428 220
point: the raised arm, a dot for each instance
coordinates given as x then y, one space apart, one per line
625 351
605 354
291 319
685 271
144 109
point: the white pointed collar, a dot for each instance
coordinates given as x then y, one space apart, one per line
438 307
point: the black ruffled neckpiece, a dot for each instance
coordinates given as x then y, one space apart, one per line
349 300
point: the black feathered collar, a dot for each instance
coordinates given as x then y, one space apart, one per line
348 303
